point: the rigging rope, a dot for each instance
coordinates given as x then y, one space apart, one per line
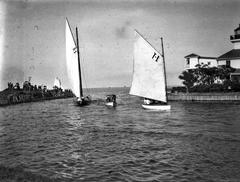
82 65
84 73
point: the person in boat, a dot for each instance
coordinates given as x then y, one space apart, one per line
108 99
81 100
88 98
84 99
147 101
111 98
114 99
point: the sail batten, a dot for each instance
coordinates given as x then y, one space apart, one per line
72 61
148 71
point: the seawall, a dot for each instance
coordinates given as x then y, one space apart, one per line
205 97
18 97
19 100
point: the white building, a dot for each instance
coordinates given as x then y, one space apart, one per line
192 60
232 57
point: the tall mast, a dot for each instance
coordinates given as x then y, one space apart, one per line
164 69
79 66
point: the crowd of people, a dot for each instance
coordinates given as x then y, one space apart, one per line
38 90
27 86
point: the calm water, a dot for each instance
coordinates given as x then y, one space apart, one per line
192 142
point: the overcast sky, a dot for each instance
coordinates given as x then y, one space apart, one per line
32 36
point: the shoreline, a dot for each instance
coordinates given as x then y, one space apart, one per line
6 103
18 97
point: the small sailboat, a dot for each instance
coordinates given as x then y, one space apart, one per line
149 75
111 100
57 83
74 67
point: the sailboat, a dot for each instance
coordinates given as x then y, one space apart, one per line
74 67
149 75
57 83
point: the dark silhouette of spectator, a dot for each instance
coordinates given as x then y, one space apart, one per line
10 85
17 86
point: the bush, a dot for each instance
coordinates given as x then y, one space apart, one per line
200 88
216 87
227 86
235 86
203 78
179 89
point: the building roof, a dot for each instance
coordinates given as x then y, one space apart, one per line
191 55
233 54
204 57
238 28
200 57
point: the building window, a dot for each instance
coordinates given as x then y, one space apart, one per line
228 63
188 61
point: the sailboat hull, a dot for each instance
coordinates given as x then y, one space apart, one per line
111 104
157 107
82 102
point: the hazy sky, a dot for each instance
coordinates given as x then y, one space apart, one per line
32 36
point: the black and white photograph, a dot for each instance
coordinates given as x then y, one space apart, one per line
119 91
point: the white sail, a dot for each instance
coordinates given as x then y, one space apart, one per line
57 82
72 61
148 71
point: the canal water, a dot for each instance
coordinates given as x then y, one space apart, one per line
192 142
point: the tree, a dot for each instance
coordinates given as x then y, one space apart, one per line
204 78
224 72
189 78
206 75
